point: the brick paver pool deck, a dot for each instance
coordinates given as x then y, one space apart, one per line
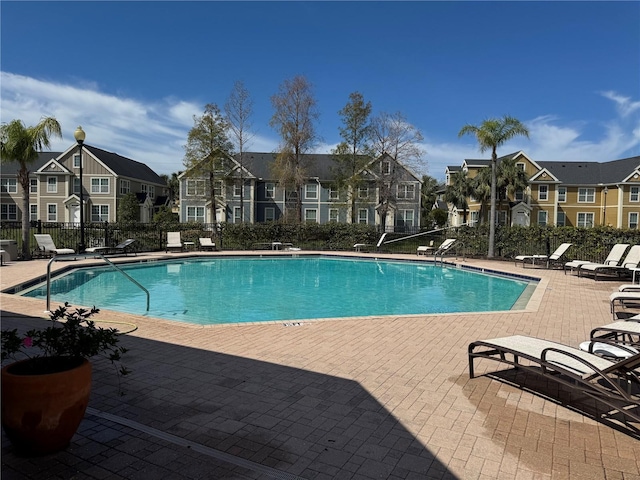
363 398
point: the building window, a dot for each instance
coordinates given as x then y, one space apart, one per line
502 218
542 217
237 215
363 215
8 211
519 195
634 194
195 214
99 185
333 215
52 185
76 160
543 192
561 219
311 191
333 193
33 185
33 212
585 220
269 190
99 213
52 212
125 187
562 194
520 166
386 168
269 214
217 188
586 195
406 191
311 215
363 192
474 218
76 186
237 190
407 217
633 220
151 191
9 185
195 188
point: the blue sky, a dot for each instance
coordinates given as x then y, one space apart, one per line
133 74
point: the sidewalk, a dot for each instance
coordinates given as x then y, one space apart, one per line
364 398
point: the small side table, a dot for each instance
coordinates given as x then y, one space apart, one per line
634 270
189 245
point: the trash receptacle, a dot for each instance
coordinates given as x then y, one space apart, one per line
11 249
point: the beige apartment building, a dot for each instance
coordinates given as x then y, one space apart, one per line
579 194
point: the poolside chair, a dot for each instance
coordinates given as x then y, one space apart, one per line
550 260
624 267
622 332
47 247
624 299
425 249
174 242
120 248
612 383
614 258
207 244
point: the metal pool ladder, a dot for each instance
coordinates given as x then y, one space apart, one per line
85 255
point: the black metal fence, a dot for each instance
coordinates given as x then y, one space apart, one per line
588 244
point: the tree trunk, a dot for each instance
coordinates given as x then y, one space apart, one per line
23 178
492 214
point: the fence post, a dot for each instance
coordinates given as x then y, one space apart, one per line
106 234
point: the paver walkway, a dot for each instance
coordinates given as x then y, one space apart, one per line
365 398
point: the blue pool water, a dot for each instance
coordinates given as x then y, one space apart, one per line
252 289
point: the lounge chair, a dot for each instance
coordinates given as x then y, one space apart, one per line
207 244
174 242
623 332
625 299
612 383
120 248
615 256
47 247
624 267
425 249
550 260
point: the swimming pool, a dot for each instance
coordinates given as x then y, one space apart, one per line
257 289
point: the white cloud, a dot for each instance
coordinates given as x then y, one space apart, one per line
155 132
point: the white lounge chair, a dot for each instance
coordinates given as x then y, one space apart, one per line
206 244
47 247
425 249
174 242
630 261
550 260
610 382
615 256
120 248
625 299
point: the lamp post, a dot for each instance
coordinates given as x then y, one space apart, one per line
605 190
79 136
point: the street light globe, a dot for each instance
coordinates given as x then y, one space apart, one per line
79 134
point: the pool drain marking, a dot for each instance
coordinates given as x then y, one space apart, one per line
197 447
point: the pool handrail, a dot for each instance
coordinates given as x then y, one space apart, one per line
85 255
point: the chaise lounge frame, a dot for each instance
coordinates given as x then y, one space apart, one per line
615 384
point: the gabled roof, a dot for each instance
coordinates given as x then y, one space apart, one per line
119 165
125 167
11 168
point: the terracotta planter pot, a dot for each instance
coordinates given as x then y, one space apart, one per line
41 413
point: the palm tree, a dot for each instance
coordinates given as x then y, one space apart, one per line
458 191
482 190
511 177
491 134
21 144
